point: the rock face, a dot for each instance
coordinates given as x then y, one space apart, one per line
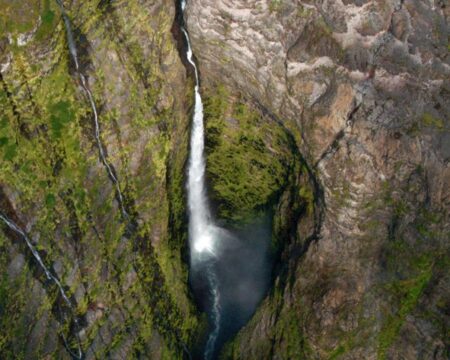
359 155
125 277
363 88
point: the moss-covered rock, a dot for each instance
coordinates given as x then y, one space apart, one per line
125 277
249 156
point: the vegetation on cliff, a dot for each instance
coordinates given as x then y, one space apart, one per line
127 280
249 156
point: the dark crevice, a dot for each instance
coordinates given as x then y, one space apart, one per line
76 235
319 202
180 39
334 146
281 268
22 127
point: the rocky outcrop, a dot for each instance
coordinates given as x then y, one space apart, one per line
363 88
124 276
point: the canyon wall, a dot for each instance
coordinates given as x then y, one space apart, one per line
124 276
334 114
362 87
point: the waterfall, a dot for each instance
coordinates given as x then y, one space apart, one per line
14 227
203 234
74 53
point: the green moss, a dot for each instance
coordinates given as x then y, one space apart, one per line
340 350
49 156
14 296
342 194
304 12
275 5
248 156
47 21
414 129
10 152
61 115
324 29
410 260
286 335
406 292
294 344
18 16
431 121
307 196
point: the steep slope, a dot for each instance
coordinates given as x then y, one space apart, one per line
363 88
123 277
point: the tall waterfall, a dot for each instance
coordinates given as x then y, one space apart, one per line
203 234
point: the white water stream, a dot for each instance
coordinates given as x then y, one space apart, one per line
74 53
203 234
14 227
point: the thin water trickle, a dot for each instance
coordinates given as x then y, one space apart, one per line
49 275
74 54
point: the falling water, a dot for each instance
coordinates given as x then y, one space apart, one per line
14 227
84 85
203 234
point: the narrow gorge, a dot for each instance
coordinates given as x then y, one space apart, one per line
224 179
229 271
